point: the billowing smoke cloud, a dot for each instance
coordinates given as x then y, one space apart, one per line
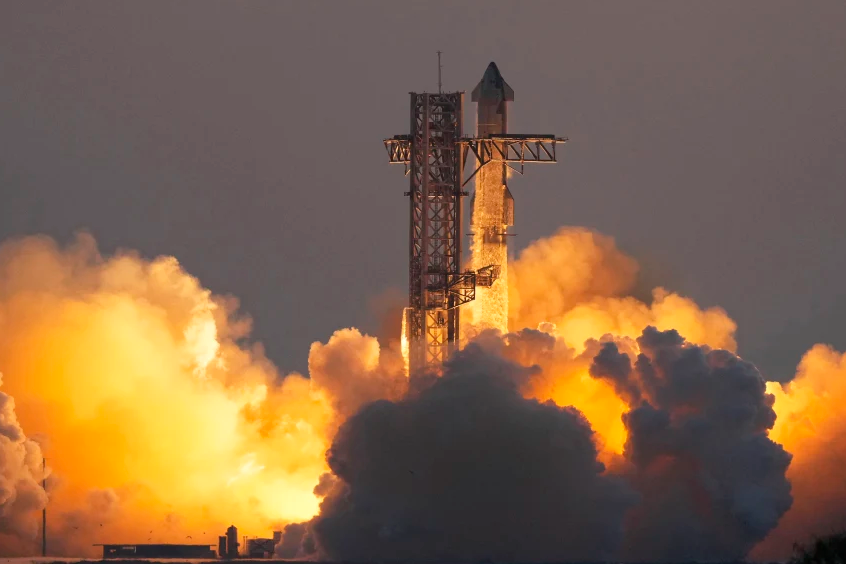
469 469
684 426
575 283
573 286
162 421
354 370
146 387
555 274
295 542
21 494
564 378
812 425
713 483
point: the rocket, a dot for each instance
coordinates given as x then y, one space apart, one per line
492 95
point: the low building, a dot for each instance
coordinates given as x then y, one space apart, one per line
260 548
157 551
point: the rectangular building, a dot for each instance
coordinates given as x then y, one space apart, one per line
260 548
157 551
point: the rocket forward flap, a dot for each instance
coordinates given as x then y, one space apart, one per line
507 207
472 208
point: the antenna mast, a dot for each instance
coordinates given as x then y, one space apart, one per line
440 90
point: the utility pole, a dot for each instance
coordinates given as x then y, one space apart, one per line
44 511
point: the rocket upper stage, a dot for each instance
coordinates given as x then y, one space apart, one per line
492 95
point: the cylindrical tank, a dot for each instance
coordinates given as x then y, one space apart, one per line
221 547
232 542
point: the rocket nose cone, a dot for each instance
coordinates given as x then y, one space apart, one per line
492 86
492 72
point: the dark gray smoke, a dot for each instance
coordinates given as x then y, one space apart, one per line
465 468
295 543
468 469
713 483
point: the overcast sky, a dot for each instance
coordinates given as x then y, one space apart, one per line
244 138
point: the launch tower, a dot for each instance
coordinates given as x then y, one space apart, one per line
434 155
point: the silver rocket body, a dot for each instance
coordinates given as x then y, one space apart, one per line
492 95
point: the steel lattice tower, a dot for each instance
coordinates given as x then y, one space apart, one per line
434 155
435 239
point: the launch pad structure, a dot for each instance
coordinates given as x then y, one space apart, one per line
434 155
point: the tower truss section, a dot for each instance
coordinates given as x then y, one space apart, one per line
436 284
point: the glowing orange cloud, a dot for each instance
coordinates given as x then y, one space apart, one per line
135 375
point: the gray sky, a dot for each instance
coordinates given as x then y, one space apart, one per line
245 139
